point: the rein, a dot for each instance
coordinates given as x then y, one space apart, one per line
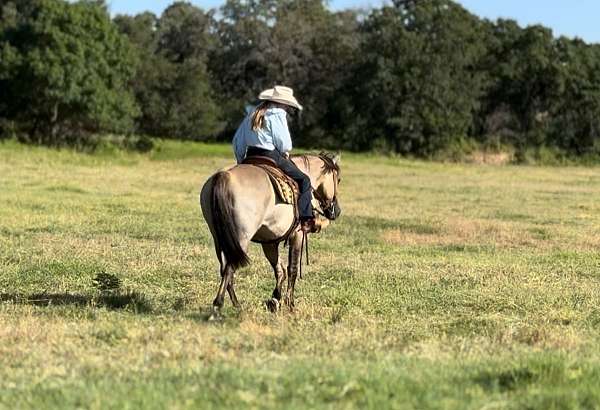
304 243
325 204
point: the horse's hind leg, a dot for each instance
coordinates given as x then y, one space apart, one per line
272 253
227 273
230 283
226 277
231 291
227 283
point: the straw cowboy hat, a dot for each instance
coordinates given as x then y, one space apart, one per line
281 94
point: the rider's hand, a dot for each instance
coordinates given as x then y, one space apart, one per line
286 155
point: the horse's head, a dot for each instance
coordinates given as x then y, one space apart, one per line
324 172
326 185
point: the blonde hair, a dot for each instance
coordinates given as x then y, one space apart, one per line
258 116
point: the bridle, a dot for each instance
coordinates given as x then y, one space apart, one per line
326 204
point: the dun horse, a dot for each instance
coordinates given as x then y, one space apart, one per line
239 205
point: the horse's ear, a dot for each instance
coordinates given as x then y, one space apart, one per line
337 157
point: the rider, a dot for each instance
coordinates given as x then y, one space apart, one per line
265 132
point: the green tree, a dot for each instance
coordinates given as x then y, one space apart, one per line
172 84
418 87
315 51
292 42
525 81
65 70
574 116
239 64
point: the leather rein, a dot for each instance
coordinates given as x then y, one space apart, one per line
324 203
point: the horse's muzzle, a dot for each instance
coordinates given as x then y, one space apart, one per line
333 211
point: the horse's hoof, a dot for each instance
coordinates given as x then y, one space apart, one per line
289 303
215 315
272 305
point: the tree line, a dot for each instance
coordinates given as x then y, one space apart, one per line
414 77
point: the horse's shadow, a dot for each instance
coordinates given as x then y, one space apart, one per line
129 301
132 301
207 315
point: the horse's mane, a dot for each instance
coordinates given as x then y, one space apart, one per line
329 164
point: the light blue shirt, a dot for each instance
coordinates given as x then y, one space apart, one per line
274 134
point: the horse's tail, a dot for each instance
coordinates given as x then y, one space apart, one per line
226 228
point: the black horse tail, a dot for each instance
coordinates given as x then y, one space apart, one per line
225 224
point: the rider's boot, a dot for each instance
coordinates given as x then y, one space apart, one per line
308 225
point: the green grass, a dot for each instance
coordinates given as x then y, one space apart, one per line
442 286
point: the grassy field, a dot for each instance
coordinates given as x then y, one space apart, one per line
441 286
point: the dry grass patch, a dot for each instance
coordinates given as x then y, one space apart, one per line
491 158
499 234
461 231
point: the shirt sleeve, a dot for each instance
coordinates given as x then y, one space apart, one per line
280 132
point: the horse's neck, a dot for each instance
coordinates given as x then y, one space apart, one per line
309 165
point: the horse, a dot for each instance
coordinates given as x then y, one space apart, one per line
239 205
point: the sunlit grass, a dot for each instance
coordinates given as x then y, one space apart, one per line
442 286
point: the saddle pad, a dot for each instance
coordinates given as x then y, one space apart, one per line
284 190
285 187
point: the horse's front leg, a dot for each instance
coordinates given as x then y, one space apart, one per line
272 253
295 242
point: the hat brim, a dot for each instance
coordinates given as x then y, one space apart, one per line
291 102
